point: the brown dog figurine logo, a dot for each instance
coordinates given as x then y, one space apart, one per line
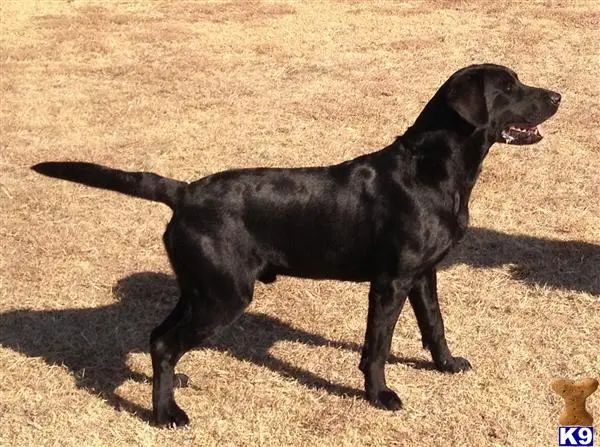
575 393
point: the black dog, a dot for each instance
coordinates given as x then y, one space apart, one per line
387 217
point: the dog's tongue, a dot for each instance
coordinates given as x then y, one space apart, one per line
541 130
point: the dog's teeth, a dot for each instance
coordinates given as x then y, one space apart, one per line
507 136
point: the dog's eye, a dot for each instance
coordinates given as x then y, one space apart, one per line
509 86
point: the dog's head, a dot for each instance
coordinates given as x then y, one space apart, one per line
492 97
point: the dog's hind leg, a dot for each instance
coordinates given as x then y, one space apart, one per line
424 301
166 352
196 317
386 299
213 294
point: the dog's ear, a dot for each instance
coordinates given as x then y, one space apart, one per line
466 95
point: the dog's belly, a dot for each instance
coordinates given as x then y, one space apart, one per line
356 258
270 275
356 270
341 258
360 267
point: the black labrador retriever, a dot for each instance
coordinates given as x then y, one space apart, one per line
387 217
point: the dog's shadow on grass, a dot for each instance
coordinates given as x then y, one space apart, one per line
566 265
94 343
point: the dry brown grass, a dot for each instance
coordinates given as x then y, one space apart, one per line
189 88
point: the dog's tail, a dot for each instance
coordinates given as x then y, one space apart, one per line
145 185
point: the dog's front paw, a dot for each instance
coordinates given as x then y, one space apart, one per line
171 416
386 400
453 365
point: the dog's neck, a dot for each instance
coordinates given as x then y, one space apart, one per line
473 152
440 129
443 119
465 147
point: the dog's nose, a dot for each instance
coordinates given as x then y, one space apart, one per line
554 98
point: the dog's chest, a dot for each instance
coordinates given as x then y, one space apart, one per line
426 236
440 231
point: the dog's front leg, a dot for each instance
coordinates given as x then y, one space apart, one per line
424 301
386 298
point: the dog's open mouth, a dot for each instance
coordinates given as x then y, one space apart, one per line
522 134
